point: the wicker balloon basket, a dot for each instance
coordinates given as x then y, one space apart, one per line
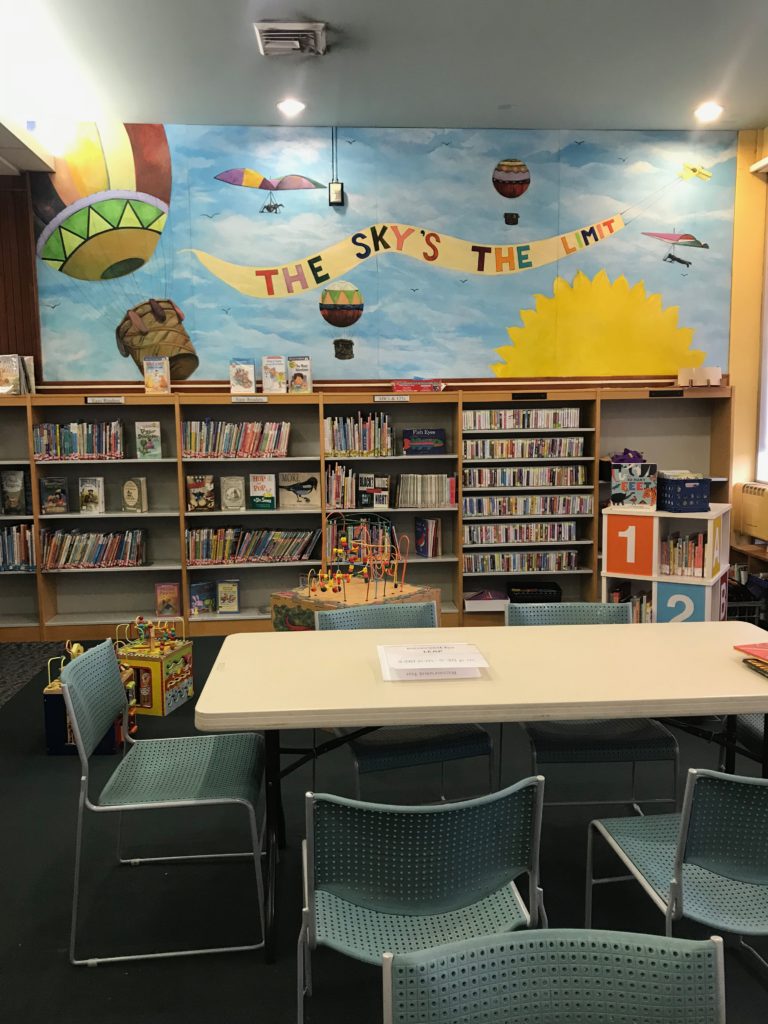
155 328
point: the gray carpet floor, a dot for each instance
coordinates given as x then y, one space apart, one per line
19 663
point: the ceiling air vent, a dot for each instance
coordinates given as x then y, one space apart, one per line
281 38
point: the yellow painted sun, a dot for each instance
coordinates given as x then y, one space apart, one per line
597 328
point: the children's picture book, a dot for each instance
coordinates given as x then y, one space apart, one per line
242 377
299 373
157 375
13 497
202 598
261 490
28 365
91 492
201 493
373 491
228 597
273 380
54 495
167 599
423 441
427 537
135 494
232 489
148 441
299 490
11 375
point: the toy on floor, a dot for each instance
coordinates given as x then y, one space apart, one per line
160 657
368 553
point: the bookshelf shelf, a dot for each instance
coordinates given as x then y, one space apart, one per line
17 572
691 429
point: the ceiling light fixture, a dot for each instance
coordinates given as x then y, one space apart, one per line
708 112
290 107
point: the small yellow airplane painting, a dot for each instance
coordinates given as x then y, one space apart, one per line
694 171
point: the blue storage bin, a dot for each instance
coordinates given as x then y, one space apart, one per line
678 494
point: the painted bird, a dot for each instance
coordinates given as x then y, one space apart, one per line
302 489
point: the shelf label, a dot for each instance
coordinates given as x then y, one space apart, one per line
249 399
105 399
391 398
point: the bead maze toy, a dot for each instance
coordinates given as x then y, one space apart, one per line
161 657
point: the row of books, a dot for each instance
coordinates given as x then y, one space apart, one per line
215 596
526 476
522 561
280 375
426 490
522 419
223 440
256 491
17 548
374 532
17 374
520 533
641 602
235 544
682 555
529 505
80 440
369 434
15 492
524 448
71 549
344 488
54 495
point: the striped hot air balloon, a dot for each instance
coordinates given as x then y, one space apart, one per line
341 304
511 178
101 214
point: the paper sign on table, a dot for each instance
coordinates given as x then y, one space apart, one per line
430 661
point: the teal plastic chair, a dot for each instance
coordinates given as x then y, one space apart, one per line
709 863
593 741
381 878
185 771
558 976
408 746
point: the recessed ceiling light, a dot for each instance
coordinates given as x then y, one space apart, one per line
290 107
708 112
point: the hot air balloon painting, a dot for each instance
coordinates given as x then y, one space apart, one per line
341 304
248 178
101 214
511 178
672 239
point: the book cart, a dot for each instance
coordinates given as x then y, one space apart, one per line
672 566
488 539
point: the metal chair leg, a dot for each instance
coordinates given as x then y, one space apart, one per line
635 805
590 879
442 781
78 853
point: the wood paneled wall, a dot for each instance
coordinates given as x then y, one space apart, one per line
19 314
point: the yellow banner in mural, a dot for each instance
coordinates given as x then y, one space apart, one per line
430 247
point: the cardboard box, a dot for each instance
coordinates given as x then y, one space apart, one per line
634 483
294 610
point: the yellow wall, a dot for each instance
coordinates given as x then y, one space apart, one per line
749 246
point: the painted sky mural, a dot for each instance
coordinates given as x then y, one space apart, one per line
458 253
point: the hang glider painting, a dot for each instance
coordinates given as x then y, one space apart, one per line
248 178
673 239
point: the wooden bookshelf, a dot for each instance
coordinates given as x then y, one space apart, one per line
689 428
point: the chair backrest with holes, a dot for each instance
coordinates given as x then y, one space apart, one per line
557 976
94 695
425 859
568 613
413 615
725 818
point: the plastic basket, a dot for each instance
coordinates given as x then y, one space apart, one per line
678 494
535 593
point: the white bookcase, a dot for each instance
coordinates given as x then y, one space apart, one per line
692 584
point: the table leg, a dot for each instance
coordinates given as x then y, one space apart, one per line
730 744
274 838
765 746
